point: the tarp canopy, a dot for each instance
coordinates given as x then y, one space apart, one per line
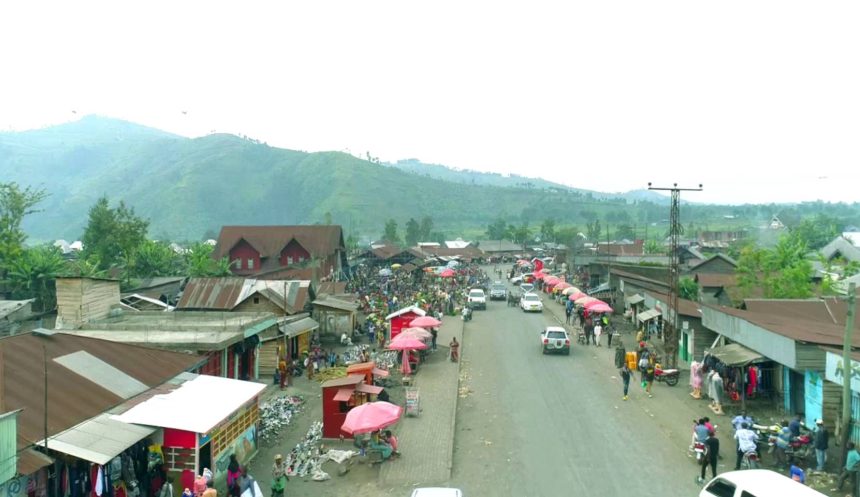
98 439
299 327
649 314
634 299
735 354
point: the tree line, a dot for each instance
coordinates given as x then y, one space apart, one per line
115 245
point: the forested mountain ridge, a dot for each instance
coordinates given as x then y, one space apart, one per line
190 187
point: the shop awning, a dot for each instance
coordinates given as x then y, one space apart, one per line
634 299
343 394
735 354
371 389
99 439
647 315
299 327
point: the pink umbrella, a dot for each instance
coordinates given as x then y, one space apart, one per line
406 343
425 322
562 285
599 308
417 333
552 280
584 300
577 295
371 416
539 275
592 303
447 273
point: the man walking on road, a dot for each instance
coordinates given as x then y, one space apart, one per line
455 349
712 453
625 378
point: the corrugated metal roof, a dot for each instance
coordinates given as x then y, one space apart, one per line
715 280
98 371
99 439
73 398
226 293
829 310
336 304
649 314
298 327
173 410
30 461
319 240
411 308
9 306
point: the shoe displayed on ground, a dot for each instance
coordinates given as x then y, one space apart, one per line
625 397
649 395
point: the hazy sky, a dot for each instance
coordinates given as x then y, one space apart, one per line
757 100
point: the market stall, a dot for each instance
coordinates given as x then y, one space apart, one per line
400 319
341 395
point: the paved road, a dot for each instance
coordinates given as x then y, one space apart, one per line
536 425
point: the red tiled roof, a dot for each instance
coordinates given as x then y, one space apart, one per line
318 240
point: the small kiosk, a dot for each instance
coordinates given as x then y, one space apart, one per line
342 394
400 319
368 369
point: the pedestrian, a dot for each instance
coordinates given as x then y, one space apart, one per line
455 349
712 453
309 364
589 332
783 440
167 488
435 334
598 331
746 442
282 372
247 484
740 419
620 354
233 474
568 310
795 425
210 489
851 467
649 377
279 476
821 444
625 378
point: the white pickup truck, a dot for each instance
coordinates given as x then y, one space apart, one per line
477 299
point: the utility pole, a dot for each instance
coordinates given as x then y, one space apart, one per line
847 370
670 339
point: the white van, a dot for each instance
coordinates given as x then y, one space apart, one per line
756 483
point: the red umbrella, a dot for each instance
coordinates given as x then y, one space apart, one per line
425 322
447 273
370 417
599 308
539 275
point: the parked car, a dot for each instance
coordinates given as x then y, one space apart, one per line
477 299
555 339
531 302
758 482
498 291
516 280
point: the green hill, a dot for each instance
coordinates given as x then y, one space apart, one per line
188 187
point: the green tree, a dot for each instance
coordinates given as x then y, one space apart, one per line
413 232
156 259
522 234
390 232
688 289
498 230
113 235
782 272
818 231
15 204
652 247
547 230
351 244
200 263
624 231
33 275
327 220
593 231
426 227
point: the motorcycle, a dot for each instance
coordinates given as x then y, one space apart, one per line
698 448
467 313
750 460
668 376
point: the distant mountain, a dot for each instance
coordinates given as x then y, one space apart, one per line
190 187
467 176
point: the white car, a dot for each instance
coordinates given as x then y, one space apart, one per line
531 302
555 339
477 299
516 280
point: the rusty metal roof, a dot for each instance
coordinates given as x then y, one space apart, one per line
332 287
72 398
827 310
716 280
318 240
225 293
685 307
